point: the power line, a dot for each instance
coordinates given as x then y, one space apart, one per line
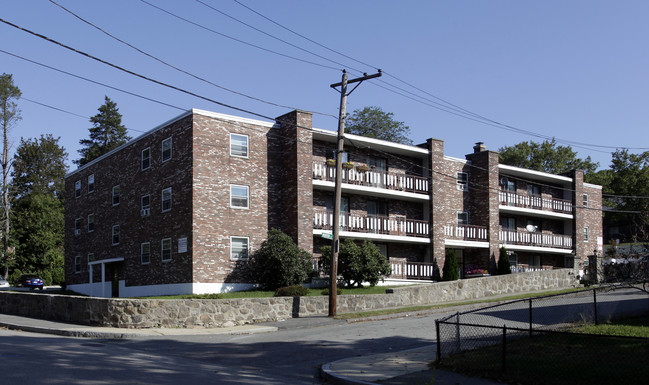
174 67
92 81
237 40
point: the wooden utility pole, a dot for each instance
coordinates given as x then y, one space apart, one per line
335 244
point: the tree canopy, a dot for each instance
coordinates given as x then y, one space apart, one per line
547 157
357 263
38 213
9 115
107 133
373 122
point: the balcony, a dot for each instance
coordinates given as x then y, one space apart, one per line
466 233
525 238
372 224
372 178
535 202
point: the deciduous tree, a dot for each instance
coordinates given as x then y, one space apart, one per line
357 263
547 157
374 123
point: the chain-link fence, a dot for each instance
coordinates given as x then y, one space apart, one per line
529 338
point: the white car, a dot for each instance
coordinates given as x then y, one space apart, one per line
3 282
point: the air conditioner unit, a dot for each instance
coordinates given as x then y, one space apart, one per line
145 212
77 231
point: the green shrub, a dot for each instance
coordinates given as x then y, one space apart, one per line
279 262
291 291
357 263
339 291
450 272
503 262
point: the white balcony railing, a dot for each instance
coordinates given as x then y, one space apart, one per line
535 202
466 232
372 178
323 219
525 238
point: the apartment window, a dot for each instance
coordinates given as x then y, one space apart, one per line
585 234
239 145
534 189
508 223
239 196
77 189
145 205
91 223
462 181
535 260
165 247
146 158
166 149
145 253
585 199
331 154
91 183
115 235
377 164
116 191
166 199
77 264
462 218
77 226
239 248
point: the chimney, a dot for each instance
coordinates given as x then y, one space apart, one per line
479 147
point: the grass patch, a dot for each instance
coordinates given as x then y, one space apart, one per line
564 359
631 327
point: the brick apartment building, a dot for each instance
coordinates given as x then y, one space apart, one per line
179 209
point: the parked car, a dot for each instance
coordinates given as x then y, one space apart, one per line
3 282
31 281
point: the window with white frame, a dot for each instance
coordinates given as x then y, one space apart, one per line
145 253
77 264
77 226
91 183
462 218
145 205
239 145
146 158
239 196
91 223
77 189
462 181
585 199
239 248
115 235
166 199
585 234
165 249
116 191
166 149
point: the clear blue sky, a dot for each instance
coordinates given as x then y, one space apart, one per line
574 70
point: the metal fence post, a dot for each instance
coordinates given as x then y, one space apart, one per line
504 366
439 345
530 317
457 332
595 306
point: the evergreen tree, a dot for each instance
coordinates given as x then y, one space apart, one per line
38 179
450 272
107 133
503 262
9 115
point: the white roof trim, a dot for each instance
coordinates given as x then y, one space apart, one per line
517 171
595 186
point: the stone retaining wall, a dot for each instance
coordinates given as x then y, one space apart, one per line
151 313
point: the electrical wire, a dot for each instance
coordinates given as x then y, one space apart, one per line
176 68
